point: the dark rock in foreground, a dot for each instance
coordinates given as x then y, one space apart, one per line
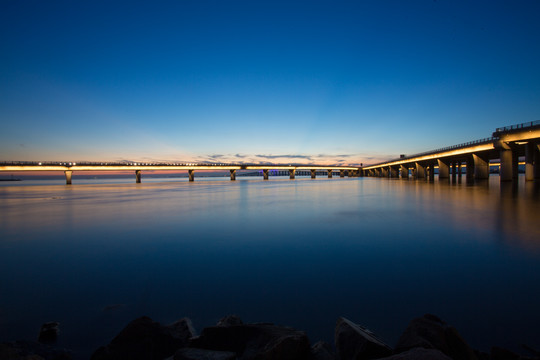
31 350
145 339
419 354
356 342
430 332
203 354
49 332
322 351
255 341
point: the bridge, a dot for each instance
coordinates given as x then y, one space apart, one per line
503 149
506 146
69 167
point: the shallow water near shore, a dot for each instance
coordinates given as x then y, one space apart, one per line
300 253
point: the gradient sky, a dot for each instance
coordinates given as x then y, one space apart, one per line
256 81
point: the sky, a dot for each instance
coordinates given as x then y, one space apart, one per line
321 82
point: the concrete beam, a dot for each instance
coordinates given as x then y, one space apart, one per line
191 174
233 175
444 169
481 167
68 176
138 176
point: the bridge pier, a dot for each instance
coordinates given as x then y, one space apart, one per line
233 175
469 169
532 161
265 174
291 174
138 176
191 174
481 167
536 160
341 173
329 174
420 171
313 174
404 172
68 176
431 172
509 165
394 172
444 171
459 171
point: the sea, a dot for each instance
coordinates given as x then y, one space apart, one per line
300 253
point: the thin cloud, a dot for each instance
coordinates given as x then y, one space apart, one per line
286 156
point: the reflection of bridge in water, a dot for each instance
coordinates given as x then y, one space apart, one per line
504 150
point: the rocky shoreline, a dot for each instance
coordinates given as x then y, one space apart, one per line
426 337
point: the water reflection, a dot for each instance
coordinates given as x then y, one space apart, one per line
299 253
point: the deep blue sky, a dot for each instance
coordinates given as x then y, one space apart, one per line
324 82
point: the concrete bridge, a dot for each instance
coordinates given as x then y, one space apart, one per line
504 149
69 167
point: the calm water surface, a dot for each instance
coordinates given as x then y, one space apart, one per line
98 254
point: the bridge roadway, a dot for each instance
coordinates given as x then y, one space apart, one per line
506 145
69 167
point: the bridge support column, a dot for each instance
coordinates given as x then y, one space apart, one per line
329 174
481 168
265 174
444 170
469 170
191 174
537 162
313 174
291 174
509 165
68 176
341 173
431 172
506 165
420 171
459 171
404 172
394 172
233 174
531 161
138 176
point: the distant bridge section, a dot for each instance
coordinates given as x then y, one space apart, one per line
69 167
507 145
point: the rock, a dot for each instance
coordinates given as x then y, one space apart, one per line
145 339
31 350
49 332
430 332
230 320
356 342
322 351
203 354
255 341
498 353
419 354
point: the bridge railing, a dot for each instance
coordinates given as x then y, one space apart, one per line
518 126
447 148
